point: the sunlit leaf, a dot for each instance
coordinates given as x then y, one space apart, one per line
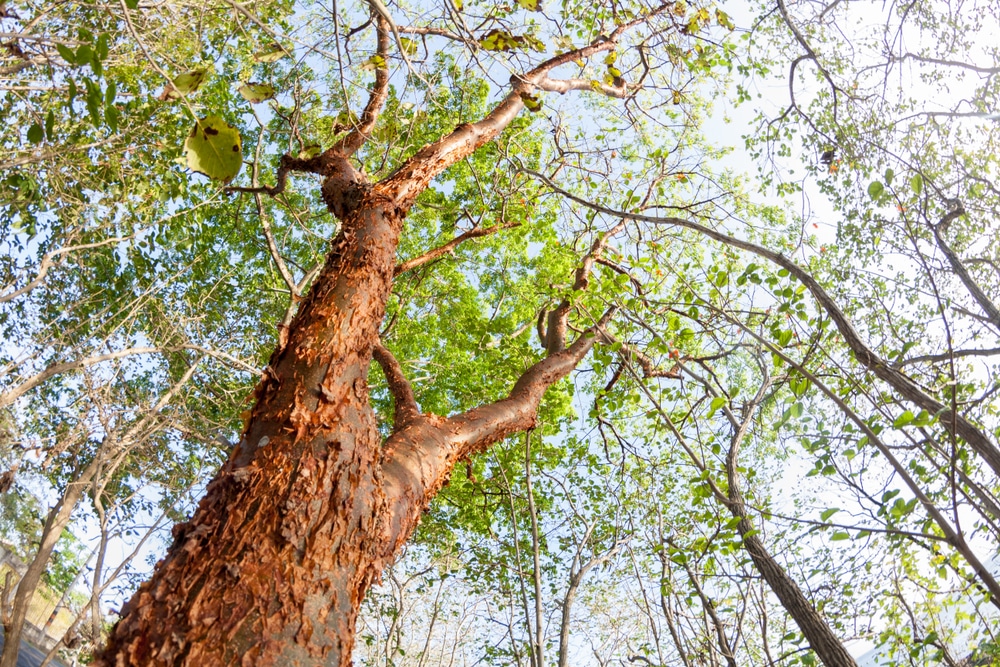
271 54
409 46
185 84
531 102
373 63
310 151
214 149
255 93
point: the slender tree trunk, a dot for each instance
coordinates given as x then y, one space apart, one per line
56 521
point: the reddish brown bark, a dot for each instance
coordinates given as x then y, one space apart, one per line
273 566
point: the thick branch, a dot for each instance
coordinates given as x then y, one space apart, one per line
990 308
450 246
359 135
821 638
903 384
420 457
406 411
412 177
563 86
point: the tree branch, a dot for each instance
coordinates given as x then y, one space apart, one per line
48 261
53 370
420 457
908 389
350 144
450 246
406 411
555 336
991 310
412 177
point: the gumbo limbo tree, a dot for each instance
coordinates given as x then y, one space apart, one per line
314 500
472 205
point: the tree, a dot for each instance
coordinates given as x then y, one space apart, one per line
612 233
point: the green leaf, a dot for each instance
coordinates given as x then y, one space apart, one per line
36 134
840 535
375 62
531 5
255 93
875 189
501 40
409 46
271 54
111 116
132 4
716 403
102 46
903 419
94 99
66 53
310 151
185 84
916 184
531 102
84 54
50 123
827 513
724 20
214 149
889 173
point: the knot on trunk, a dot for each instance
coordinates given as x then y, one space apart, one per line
343 186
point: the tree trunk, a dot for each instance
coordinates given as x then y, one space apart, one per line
274 564
56 521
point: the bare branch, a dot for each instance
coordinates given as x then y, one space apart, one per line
48 261
954 354
990 308
65 367
57 369
555 339
907 388
564 86
412 177
357 137
450 246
